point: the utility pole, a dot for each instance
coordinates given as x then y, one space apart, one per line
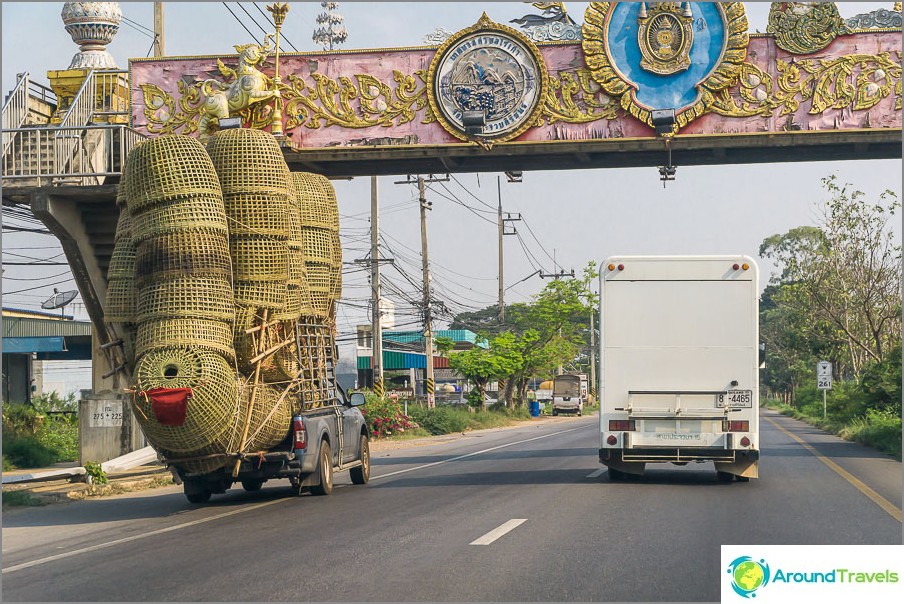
557 275
159 46
428 316
501 222
430 388
377 358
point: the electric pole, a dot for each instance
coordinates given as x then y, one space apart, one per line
501 222
159 46
428 316
377 359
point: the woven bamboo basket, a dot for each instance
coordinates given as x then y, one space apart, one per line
259 259
297 273
336 279
122 261
266 429
123 224
128 332
317 244
210 412
320 287
199 214
261 294
186 333
121 301
259 214
316 201
167 168
187 298
248 161
183 254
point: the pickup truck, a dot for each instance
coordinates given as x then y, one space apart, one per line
320 442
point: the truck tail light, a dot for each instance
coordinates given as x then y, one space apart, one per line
300 438
621 425
745 442
736 426
611 440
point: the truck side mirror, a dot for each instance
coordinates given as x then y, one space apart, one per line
357 399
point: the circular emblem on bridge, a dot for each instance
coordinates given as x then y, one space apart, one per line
487 83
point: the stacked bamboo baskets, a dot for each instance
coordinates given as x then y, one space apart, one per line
226 269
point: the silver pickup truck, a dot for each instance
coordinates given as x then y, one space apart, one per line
320 442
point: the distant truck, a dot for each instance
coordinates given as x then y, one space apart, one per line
679 364
569 392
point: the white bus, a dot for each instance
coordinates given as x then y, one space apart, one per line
679 364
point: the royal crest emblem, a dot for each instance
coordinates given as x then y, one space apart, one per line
640 53
488 70
665 35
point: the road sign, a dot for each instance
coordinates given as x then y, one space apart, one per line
824 375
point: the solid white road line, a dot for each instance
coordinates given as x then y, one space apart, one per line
597 473
451 459
168 529
499 531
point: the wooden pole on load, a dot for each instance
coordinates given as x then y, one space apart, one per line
257 379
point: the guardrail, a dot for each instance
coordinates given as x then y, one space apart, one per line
15 109
81 155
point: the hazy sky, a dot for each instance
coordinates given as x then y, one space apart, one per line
577 215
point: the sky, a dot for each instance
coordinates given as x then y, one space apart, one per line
574 216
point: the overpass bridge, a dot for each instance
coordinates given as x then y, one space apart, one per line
602 100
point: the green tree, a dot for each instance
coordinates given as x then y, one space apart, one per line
839 285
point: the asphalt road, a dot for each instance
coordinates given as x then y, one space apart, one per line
521 514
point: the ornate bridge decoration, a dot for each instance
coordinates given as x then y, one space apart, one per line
812 71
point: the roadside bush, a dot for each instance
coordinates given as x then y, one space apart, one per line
881 383
442 419
27 452
384 416
60 435
21 420
878 429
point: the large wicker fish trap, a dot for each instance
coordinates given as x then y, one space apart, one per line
261 294
166 168
120 305
202 215
187 298
212 408
266 214
185 333
182 254
248 161
258 259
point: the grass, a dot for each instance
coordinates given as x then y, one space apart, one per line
445 419
879 430
22 499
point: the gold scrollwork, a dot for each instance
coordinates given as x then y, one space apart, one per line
574 97
856 81
360 101
803 28
596 56
754 95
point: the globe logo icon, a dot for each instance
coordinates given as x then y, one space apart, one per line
748 575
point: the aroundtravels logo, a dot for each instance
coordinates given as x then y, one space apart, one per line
748 575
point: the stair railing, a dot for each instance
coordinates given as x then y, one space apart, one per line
15 110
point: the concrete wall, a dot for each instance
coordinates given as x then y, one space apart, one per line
106 427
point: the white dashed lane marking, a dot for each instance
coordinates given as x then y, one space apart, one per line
498 532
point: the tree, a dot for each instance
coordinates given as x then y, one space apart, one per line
481 365
839 288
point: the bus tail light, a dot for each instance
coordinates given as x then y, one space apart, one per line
621 425
736 426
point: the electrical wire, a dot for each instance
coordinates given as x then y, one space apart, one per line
270 21
240 21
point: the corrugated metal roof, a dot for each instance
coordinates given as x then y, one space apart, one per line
20 327
404 360
413 337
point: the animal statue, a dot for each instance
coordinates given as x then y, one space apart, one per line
250 86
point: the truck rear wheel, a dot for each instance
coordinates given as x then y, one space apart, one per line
196 491
361 474
252 485
326 471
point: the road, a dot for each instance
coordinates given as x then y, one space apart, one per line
522 514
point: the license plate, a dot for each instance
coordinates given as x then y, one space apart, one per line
735 398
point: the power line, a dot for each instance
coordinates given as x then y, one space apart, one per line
270 21
240 21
